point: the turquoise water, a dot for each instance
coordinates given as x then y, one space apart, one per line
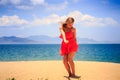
33 52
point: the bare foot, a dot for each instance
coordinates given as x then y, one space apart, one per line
70 74
74 76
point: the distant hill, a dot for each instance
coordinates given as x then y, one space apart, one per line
57 40
43 39
15 40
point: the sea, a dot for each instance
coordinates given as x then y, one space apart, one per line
40 52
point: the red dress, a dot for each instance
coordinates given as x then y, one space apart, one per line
71 46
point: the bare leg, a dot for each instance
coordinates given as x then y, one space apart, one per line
72 65
65 61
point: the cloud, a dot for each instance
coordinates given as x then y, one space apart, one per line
24 7
32 4
88 20
75 1
12 21
60 6
14 2
3 2
37 2
80 19
52 19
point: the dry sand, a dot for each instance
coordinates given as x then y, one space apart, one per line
54 70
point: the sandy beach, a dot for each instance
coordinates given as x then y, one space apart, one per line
54 70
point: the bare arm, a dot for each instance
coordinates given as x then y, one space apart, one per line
63 34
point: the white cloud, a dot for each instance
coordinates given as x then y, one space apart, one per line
12 21
24 7
31 4
37 2
3 2
52 19
14 2
80 18
60 6
75 1
88 20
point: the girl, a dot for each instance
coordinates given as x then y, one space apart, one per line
69 45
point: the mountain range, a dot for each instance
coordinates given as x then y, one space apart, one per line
43 39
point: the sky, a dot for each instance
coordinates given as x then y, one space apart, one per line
94 19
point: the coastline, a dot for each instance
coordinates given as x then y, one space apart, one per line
54 70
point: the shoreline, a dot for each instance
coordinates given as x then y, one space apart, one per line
54 70
61 60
